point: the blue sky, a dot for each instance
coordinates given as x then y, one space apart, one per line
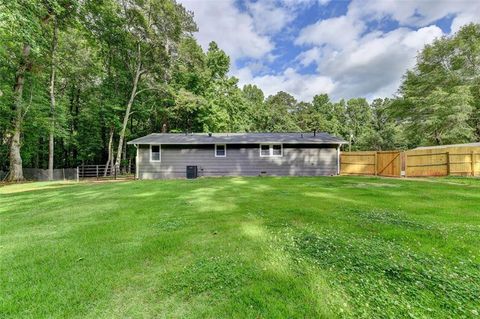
358 48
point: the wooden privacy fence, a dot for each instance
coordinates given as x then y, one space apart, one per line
385 163
462 161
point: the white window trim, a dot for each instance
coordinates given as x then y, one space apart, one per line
261 155
270 150
160 151
225 155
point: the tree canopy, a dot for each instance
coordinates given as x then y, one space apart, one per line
79 78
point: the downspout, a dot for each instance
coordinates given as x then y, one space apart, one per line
136 162
338 159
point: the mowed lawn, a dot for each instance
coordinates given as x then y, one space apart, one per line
241 248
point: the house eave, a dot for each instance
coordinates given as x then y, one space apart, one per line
238 138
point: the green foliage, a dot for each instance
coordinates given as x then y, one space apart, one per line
384 133
190 71
440 97
276 114
217 61
192 110
322 115
181 87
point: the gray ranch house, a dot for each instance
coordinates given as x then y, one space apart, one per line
177 155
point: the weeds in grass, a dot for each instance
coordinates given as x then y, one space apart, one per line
170 225
400 219
219 273
390 217
384 278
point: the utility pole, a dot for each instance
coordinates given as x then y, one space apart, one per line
350 144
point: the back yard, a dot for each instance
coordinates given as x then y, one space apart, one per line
241 247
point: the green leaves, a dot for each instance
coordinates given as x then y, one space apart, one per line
439 96
218 61
101 45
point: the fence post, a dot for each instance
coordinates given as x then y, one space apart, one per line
78 177
96 168
375 163
473 163
115 172
406 163
448 163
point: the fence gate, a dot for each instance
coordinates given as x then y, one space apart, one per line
388 163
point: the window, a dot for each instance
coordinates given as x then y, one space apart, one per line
264 150
220 150
276 150
271 150
155 153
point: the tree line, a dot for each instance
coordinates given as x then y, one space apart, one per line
80 78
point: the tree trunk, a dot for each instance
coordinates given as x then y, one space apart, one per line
124 156
110 153
16 170
51 141
136 79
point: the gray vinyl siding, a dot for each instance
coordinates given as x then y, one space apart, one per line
241 160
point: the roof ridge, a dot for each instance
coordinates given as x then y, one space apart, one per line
206 133
239 138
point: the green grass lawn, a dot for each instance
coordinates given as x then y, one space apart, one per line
241 248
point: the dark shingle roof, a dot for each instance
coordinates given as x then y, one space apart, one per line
238 138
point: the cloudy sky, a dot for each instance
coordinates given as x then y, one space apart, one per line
343 48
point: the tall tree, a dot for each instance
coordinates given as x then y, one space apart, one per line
152 30
358 119
278 113
384 133
20 22
16 169
52 98
440 96
321 115
254 99
59 13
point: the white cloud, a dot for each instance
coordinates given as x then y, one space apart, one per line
310 56
414 13
371 64
233 30
374 67
465 18
351 58
337 32
269 17
418 39
305 3
302 87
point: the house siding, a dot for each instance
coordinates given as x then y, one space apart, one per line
241 160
